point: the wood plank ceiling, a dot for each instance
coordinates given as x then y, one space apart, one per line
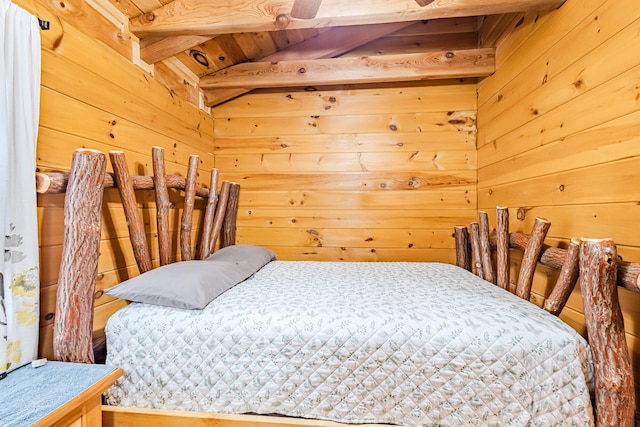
236 46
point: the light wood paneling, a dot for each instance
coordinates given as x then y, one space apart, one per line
352 173
358 181
419 161
315 124
347 143
434 219
556 77
335 101
614 140
93 96
558 136
386 200
533 38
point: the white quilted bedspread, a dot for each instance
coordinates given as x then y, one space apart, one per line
399 343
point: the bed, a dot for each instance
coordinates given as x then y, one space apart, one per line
405 343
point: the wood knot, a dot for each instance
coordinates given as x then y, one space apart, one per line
282 21
149 17
522 213
199 57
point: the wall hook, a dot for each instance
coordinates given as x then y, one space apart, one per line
44 25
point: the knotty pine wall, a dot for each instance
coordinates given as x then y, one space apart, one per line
352 173
559 134
93 97
367 173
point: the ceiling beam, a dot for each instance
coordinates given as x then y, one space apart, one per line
353 70
329 44
211 17
305 9
156 50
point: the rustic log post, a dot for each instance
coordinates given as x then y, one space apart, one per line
502 247
567 279
163 205
615 398
530 257
56 183
51 182
628 272
73 324
209 215
228 236
187 211
137 233
629 275
463 247
475 244
221 210
485 248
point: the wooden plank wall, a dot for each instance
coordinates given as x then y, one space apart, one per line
94 97
352 173
559 133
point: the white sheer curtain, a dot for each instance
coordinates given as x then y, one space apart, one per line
19 111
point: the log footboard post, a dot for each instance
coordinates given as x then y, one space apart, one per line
485 247
615 399
73 324
463 247
475 245
531 257
561 292
502 247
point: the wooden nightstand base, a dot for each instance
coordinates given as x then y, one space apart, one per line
56 395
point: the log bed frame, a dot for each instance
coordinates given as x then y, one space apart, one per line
594 261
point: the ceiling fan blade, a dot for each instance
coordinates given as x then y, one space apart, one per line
305 9
424 3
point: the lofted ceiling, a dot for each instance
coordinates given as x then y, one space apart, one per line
235 46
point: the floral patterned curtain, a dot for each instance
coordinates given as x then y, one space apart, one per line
19 111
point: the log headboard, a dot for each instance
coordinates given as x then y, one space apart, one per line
84 187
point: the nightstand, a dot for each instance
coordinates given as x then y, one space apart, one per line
58 394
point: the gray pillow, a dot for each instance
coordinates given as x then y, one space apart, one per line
249 256
189 284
